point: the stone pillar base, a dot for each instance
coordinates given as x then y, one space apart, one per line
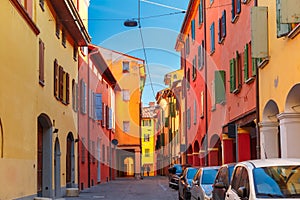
72 192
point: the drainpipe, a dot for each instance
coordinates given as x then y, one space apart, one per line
257 109
205 86
88 120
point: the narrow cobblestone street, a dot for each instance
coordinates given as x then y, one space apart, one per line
149 188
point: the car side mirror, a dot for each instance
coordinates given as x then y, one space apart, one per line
196 182
242 192
219 185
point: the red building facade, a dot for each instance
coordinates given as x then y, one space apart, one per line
96 119
215 45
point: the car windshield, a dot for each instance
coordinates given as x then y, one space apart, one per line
178 169
277 181
208 176
191 173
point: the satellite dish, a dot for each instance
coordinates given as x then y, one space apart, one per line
115 142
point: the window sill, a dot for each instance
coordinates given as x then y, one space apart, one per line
249 80
235 91
212 52
234 20
42 83
263 63
294 32
222 40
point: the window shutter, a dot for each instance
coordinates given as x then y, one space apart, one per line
56 79
167 122
254 66
195 111
107 117
98 106
232 9
219 86
201 12
202 53
212 37
189 118
238 6
232 75
219 30
83 97
110 119
224 24
67 88
199 57
238 70
282 29
246 61
104 115
193 29
41 62
61 83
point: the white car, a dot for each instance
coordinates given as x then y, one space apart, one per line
265 179
201 187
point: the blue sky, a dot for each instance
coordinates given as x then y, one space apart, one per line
160 26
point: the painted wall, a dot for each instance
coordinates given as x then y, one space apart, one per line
148 160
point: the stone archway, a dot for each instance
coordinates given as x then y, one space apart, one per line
290 124
269 131
196 159
44 156
215 151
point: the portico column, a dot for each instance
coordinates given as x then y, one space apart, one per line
269 139
289 134
137 172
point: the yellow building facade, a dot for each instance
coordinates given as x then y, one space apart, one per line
279 98
130 75
37 112
148 140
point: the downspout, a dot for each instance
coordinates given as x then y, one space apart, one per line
257 110
88 120
205 85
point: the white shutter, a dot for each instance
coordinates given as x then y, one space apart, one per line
98 106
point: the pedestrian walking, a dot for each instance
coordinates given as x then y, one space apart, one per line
148 170
142 170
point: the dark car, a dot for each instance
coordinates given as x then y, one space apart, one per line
222 181
185 183
174 173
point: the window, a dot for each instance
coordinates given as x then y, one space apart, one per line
91 103
125 94
235 9
201 12
42 4
172 110
61 84
195 112
146 137
83 96
74 95
202 104
220 86
75 52
93 152
213 96
188 79
193 29
63 38
104 114
282 28
27 6
187 45
222 27
194 74
126 127
212 38
146 122
201 55
188 113
125 66
57 28
98 106
249 64
41 62
147 152
235 74
107 117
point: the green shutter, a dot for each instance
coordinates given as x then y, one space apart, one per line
246 67
162 139
172 109
232 75
167 122
220 86
282 29
170 135
254 66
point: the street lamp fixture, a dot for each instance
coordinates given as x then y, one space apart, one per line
130 23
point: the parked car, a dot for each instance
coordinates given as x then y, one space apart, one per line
264 179
222 181
202 183
185 183
174 173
